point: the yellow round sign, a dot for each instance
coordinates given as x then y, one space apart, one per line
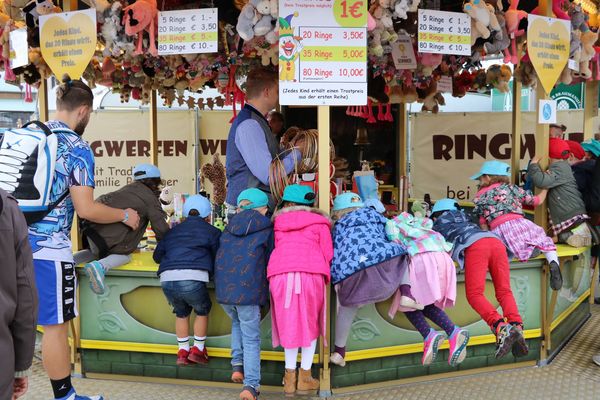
68 42
350 13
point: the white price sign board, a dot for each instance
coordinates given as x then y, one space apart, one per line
188 31
444 32
322 52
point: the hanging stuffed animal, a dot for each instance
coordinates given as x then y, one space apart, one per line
215 173
513 17
139 17
498 76
268 54
431 98
483 15
501 40
32 12
113 33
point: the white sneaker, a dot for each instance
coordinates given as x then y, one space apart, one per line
596 359
337 359
407 302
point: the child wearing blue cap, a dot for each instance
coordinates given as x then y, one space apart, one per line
433 278
241 284
298 271
366 268
499 206
111 245
186 256
478 252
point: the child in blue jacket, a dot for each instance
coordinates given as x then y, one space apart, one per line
241 284
186 256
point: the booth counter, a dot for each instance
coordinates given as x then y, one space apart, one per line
130 329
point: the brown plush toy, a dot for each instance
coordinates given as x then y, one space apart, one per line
431 98
498 76
525 73
215 173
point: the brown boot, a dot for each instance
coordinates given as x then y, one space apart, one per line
289 382
307 385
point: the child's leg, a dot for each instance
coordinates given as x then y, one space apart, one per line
440 318
432 339
83 256
343 323
500 272
556 280
237 357
308 353
114 261
291 354
200 328
417 319
476 267
250 329
197 296
181 330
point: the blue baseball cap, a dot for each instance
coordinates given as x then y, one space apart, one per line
299 194
145 171
493 167
593 146
444 205
347 200
198 203
376 204
256 197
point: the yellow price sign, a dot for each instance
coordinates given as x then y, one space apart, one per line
68 41
350 13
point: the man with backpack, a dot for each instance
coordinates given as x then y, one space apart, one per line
71 189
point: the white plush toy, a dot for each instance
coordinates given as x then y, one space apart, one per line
166 200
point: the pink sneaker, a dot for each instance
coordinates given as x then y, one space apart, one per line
458 346
431 345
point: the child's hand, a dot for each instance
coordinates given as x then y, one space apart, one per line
536 160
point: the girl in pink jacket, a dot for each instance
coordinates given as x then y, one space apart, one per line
298 271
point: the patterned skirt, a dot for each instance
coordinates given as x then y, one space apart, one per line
523 236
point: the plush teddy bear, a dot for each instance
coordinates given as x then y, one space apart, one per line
431 98
483 15
166 200
501 40
498 76
268 54
113 34
401 93
32 12
525 73
403 7
428 62
462 83
579 20
247 19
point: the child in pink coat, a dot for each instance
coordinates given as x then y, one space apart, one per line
298 271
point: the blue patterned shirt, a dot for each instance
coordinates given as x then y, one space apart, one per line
51 237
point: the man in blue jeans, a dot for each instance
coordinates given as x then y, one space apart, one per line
241 284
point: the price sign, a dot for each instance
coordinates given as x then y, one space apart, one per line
444 32
187 31
323 52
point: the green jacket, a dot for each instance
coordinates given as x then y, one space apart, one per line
564 199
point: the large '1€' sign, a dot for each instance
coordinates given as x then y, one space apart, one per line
322 52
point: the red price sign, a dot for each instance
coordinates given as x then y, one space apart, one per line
354 35
350 13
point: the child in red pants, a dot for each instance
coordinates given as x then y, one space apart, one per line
479 252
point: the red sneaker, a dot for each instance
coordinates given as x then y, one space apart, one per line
198 356
182 357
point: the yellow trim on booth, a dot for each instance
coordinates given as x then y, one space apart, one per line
569 310
418 347
171 349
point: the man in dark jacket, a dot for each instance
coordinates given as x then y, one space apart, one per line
18 308
241 284
478 252
111 245
186 256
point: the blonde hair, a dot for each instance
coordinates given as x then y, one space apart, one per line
496 179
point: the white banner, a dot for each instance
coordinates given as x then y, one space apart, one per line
447 148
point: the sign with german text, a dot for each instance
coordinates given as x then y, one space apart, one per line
187 31
323 52
443 32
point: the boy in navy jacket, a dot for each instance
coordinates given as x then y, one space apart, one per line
241 284
186 256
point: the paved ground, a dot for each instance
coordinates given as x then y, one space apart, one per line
572 375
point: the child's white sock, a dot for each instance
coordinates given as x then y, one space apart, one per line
551 256
184 343
199 342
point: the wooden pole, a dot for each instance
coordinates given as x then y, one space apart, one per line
591 109
402 157
542 131
43 100
323 171
515 162
153 129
